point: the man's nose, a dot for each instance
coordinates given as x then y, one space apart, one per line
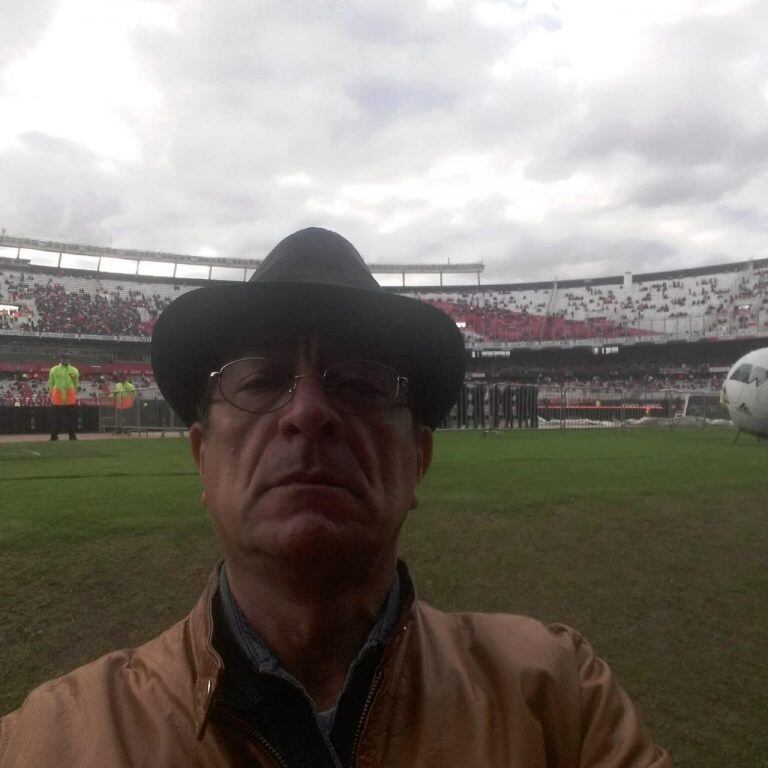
309 411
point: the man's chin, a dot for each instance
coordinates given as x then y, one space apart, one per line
292 510
316 542
313 528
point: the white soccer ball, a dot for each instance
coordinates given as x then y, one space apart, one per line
745 393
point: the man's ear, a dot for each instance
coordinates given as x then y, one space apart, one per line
197 444
424 444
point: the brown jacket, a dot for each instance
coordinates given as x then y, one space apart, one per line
469 690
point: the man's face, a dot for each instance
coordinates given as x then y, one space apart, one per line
307 486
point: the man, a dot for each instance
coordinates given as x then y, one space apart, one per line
63 381
124 392
124 395
311 395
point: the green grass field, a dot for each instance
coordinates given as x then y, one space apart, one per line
652 543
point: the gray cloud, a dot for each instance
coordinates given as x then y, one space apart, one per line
694 115
57 188
751 218
334 94
382 99
23 25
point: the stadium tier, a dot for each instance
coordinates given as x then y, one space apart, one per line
727 301
677 330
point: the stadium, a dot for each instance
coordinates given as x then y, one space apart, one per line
599 351
649 539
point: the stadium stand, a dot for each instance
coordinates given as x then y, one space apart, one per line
688 305
77 304
636 333
721 301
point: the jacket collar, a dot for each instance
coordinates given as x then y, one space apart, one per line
207 663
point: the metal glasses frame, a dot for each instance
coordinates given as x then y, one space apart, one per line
215 377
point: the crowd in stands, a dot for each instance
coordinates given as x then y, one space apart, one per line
725 302
722 303
78 305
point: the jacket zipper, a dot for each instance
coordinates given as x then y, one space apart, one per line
254 735
374 689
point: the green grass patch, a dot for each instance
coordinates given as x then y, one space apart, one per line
652 543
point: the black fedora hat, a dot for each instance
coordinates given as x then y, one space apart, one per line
313 281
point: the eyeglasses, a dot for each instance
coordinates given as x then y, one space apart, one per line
264 384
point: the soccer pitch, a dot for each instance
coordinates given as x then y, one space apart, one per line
652 543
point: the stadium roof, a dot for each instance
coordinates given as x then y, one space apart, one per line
246 265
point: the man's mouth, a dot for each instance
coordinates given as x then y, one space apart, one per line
319 478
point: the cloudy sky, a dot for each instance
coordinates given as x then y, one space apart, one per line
547 139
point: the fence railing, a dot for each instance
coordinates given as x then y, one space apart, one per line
484 405
143 411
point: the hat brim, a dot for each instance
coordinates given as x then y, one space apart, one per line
195 334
